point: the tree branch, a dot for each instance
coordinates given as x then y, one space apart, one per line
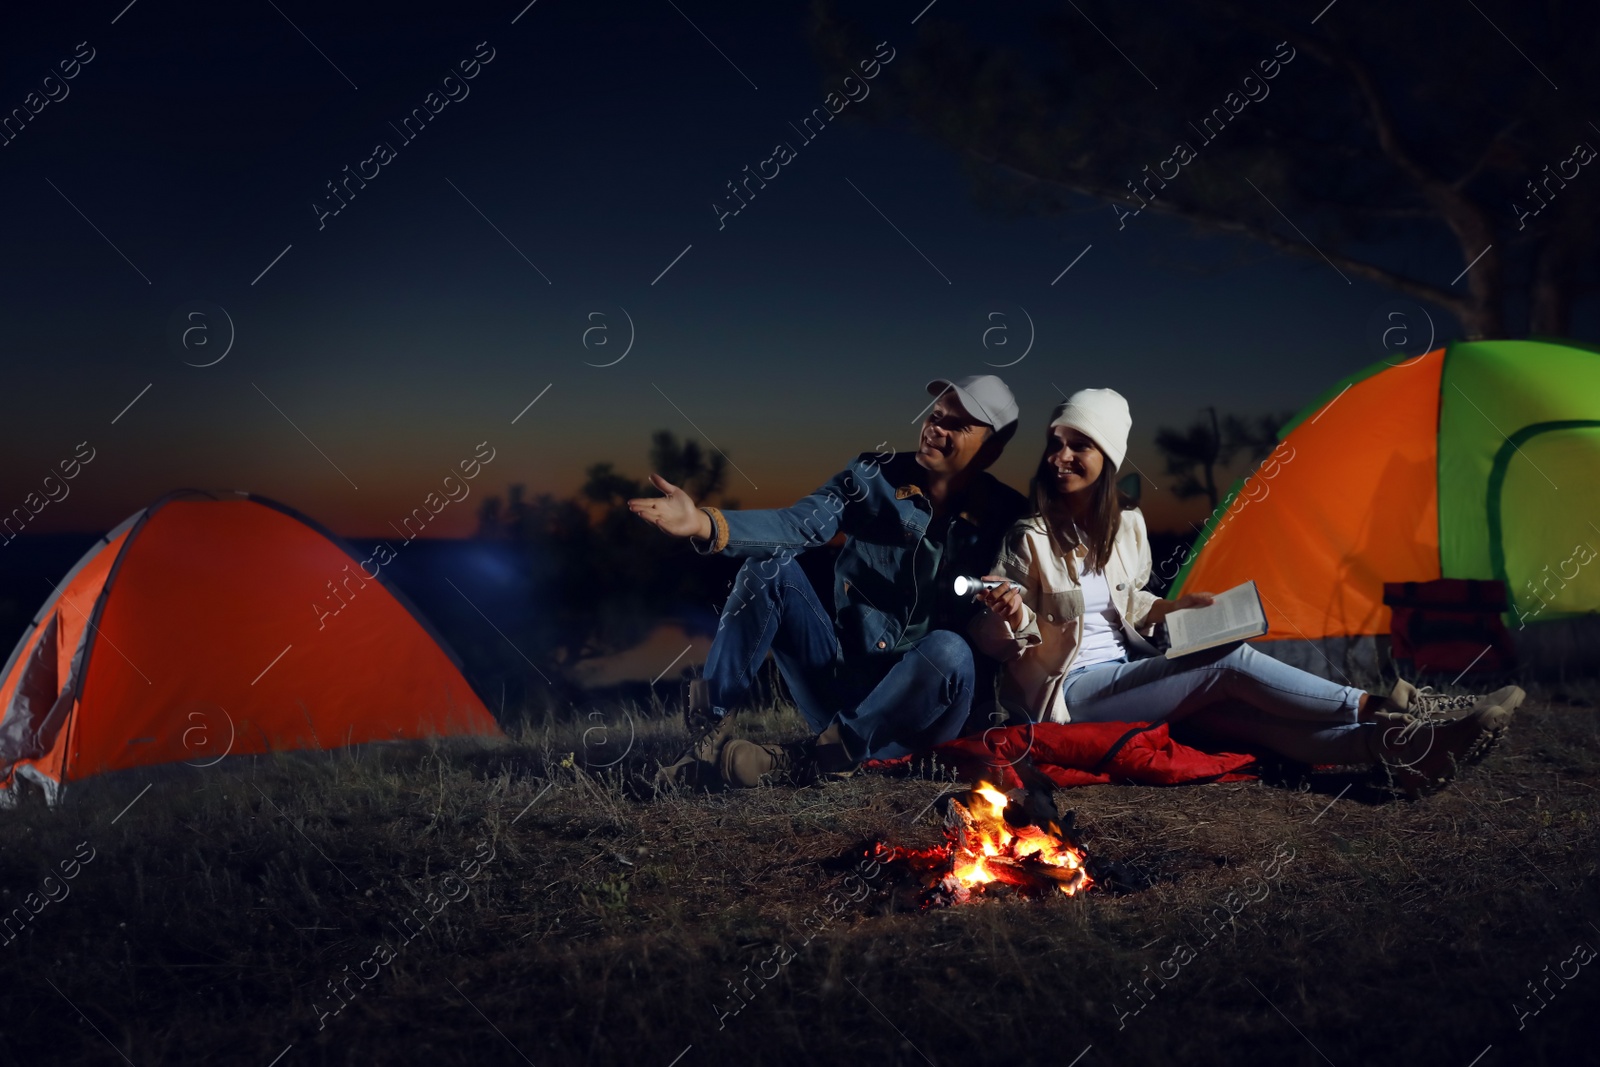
1433 294
1488 152
1463 216
1384 212
1377 109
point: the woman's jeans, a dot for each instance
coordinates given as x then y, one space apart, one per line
886 707
1233 691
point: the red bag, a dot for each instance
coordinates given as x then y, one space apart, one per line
1450 626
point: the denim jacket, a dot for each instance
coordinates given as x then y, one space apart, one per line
883 514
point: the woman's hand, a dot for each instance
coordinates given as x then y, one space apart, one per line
1004 601
675 513
1162 608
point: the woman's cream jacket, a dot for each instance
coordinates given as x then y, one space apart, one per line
1039 654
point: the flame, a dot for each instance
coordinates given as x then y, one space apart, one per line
997 800
982 852
986 849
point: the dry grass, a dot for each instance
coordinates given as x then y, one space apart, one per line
217 910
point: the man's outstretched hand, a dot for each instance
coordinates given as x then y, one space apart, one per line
672 513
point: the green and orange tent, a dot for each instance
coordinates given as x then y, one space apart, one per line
1479 460
220 624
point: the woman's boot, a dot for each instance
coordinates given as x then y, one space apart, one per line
1429 706
1422 757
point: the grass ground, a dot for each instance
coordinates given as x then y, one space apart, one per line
230 916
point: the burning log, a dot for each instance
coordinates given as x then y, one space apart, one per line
995 844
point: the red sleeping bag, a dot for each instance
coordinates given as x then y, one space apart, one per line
1084 753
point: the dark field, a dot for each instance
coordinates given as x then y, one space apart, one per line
216 919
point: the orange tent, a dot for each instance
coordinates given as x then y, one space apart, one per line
1473 461
1347 502
215 624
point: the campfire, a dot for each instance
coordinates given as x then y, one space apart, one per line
995 845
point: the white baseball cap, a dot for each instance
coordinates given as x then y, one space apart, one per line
985 397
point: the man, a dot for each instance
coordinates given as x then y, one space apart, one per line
888 671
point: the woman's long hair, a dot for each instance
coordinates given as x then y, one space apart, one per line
1099 532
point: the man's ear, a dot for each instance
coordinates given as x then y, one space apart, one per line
992 446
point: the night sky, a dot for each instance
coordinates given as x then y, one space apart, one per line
575 173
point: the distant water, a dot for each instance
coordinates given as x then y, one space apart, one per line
493 575
478 596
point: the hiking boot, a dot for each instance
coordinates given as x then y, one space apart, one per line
1426 705
1510 697
1429 706
699 716
1422 757
744 764
1496 731
697 764
708 732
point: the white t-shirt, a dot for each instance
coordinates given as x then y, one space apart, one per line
1102 625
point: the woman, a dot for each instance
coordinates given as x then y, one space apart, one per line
1082 562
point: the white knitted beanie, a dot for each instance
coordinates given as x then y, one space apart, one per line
1101 415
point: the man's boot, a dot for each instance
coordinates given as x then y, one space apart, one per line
745 764
698 714
708 732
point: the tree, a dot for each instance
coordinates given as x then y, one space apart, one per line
686 465
1192 455
1395 143
1253 438
1195 453
605 578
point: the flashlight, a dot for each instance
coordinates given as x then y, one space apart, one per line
966 585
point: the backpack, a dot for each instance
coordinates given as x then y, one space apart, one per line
1450 626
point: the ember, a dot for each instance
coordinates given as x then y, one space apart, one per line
994 845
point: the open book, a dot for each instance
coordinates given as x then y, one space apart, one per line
1232 616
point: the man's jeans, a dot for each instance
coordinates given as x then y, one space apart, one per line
1233 691
886 707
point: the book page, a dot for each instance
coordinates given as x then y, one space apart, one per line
1232 615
